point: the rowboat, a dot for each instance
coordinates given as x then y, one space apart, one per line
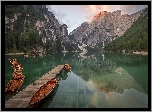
67 67
30 55
33 54
42 93
14 84
17 78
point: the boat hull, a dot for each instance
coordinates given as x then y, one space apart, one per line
42 94
67 67
17 77
14 84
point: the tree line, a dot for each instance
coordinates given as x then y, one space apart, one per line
22 43
23 37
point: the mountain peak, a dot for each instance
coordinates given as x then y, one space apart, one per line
99 14
104 28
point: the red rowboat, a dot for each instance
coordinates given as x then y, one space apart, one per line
17 78
42 93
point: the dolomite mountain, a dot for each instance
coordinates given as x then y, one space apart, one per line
105 27
52 33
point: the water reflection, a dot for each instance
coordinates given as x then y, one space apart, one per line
72 93
109 80
105 74
130 98
66 94
63 75
119 87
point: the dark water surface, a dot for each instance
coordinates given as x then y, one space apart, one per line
96 80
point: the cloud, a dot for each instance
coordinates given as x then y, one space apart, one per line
130 98
85 13
110 8
58 15
130 9
95 8
125 9
68 21
98 8
89 17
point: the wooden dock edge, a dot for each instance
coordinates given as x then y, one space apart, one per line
21 99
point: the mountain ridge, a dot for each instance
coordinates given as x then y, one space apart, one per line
105 27
20 19
134 39
21 23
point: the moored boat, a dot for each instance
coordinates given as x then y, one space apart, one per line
67 67
33 54
14 84
30 55
42 93
17 78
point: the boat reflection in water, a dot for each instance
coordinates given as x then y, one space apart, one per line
96 80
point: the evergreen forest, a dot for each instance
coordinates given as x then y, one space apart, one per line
134 39
23 36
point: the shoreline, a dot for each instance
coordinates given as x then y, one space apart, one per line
142 52
14 53
133 53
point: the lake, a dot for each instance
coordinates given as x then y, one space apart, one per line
96 80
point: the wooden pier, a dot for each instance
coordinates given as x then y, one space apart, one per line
22 99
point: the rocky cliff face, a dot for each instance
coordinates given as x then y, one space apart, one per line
44 21
104 27
51 31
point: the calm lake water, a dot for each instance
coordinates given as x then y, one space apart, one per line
96 80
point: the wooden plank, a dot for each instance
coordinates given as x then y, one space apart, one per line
21 99
24 94
40 81
11 105
17 104
32 88
57 69
46 76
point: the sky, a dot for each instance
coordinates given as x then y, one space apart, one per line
74 15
